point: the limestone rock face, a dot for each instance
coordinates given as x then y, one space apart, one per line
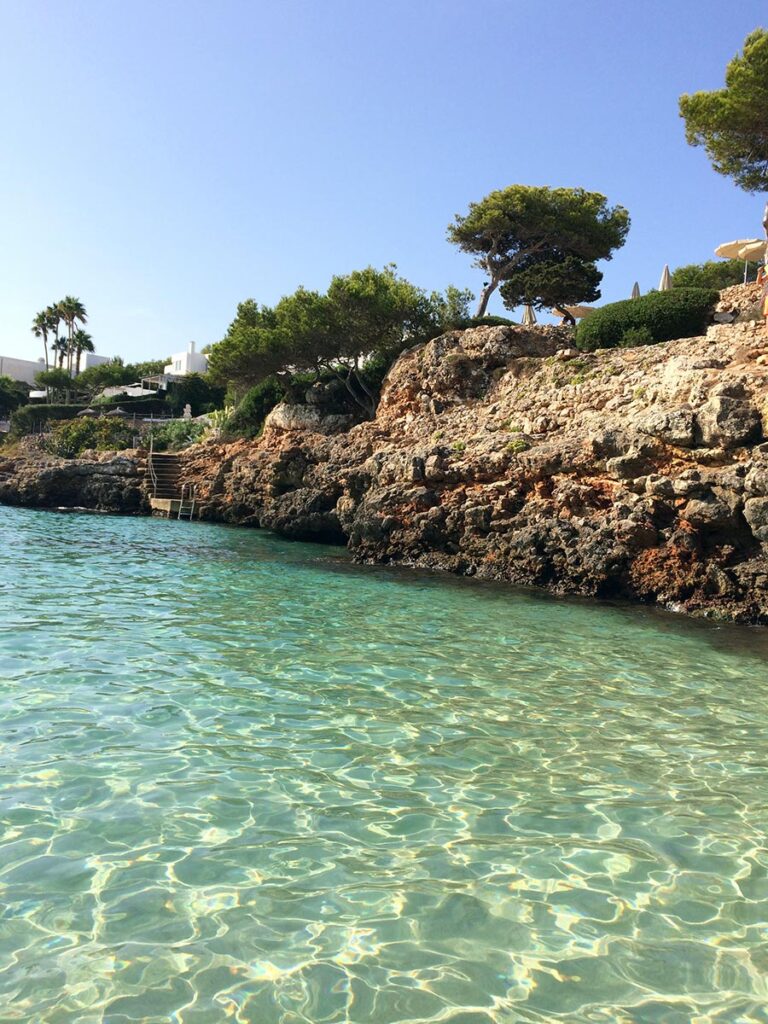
306 417
502 453
104 481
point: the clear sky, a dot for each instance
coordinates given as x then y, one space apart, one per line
164 159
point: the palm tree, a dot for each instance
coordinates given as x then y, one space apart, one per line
82 342
54 317
41 325
71 310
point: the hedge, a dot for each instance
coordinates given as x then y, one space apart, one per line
657 317
31 418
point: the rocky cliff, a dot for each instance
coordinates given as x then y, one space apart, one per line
500 452
109 482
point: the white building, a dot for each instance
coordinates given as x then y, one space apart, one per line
89 359
25 369
20 369
183 363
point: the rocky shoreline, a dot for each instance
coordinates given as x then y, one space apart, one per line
501 453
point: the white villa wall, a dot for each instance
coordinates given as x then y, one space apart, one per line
190 361
25 369
88 359
20 369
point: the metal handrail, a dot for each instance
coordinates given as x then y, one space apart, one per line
150 467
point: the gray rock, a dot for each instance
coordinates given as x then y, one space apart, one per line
675 426
728 422
756 514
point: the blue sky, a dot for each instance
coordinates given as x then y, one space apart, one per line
164 160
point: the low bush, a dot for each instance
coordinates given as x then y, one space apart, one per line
177 434
712 274
636 336
484 321
31 418
68 440
661 316
249 415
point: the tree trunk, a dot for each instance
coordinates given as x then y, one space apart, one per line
570 320
485 295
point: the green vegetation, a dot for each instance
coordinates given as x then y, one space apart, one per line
115 373
196 391
177 434
248 417
13 394
32 418
517 232
731 123
660 316
712 274
66 351
636 336
57 382
69 440
352 333
518 445
552 284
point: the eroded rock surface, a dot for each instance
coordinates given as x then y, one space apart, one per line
103 481
500 452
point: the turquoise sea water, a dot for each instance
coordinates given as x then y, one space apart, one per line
242 779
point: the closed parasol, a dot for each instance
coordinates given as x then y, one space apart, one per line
529 317
635 291
665 284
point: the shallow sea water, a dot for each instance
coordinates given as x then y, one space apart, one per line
243 779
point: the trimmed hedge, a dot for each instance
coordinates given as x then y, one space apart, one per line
31 418
658 316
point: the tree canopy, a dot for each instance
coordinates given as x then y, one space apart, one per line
552 284
712 274
523 223
732 123
45 325
13 393
368 314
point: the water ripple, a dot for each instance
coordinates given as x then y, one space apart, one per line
245 780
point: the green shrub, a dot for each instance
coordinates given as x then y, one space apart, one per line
31 418
636 336
484 321
197 391
712 274
665 316
13 393
518 445
68 440
177 434
248 418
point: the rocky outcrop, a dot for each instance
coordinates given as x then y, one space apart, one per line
503 453
103 481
